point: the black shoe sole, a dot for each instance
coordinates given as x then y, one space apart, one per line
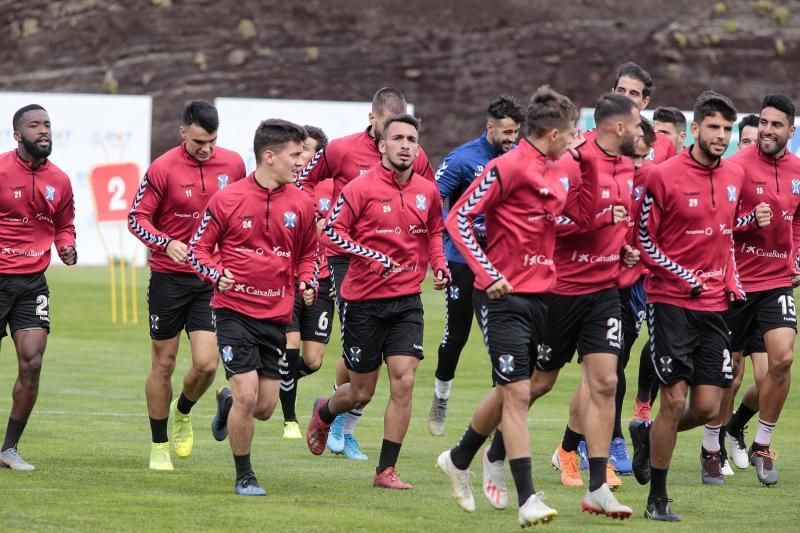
641 452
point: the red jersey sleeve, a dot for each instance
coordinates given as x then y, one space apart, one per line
204 242
145 204
64 219
732 284
337 230
316 170
648 229
484 193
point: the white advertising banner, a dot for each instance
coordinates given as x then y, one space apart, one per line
239 118
102 142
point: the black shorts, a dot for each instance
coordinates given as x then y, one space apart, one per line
314 323
374 329
762 311
246 344
693 346
755 344
512 329
590 323
176 302
24 302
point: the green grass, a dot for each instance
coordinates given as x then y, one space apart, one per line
89 439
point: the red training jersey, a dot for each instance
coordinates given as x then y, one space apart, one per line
171 198
766 256
323 202
266 239
392 232
521 194
588 259
629 276
36 211
685 232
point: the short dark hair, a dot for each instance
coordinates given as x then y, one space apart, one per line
710 103
781 103
505 106
201 113
389 100
749 120
648 133
274 133
549 110
670 115
405 118
17 120
612 105
632 70
318 135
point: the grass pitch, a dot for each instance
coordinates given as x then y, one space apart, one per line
89 439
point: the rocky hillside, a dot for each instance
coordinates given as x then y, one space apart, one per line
449 57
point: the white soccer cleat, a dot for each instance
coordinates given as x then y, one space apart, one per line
726 468
459 482
494 482
737 450
602 501
535 511
11 459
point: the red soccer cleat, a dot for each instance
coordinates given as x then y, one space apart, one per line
388 479
317 433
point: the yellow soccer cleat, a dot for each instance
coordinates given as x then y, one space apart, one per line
291 430
159 456
182 434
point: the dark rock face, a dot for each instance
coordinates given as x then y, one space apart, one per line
448 57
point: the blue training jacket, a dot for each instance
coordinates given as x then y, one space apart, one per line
458 169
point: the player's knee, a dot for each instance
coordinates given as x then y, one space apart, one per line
264 413
30 366
672 403
208 369
361 397
604 386
780 366
539 388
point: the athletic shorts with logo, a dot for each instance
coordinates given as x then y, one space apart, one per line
246 344
374 329
761 312
688 345
512 329
176 302
24 302
316 322
588 323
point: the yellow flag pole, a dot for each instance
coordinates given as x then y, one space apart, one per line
122 282
134 295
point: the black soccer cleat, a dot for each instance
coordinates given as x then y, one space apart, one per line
640 436
659 509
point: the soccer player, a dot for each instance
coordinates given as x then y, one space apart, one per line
520 195
171 198
458 169
310 325
390 221
755 349
37 213
687 215
748 131
768 270
584 306
341 161
671 121
266 233
636 83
